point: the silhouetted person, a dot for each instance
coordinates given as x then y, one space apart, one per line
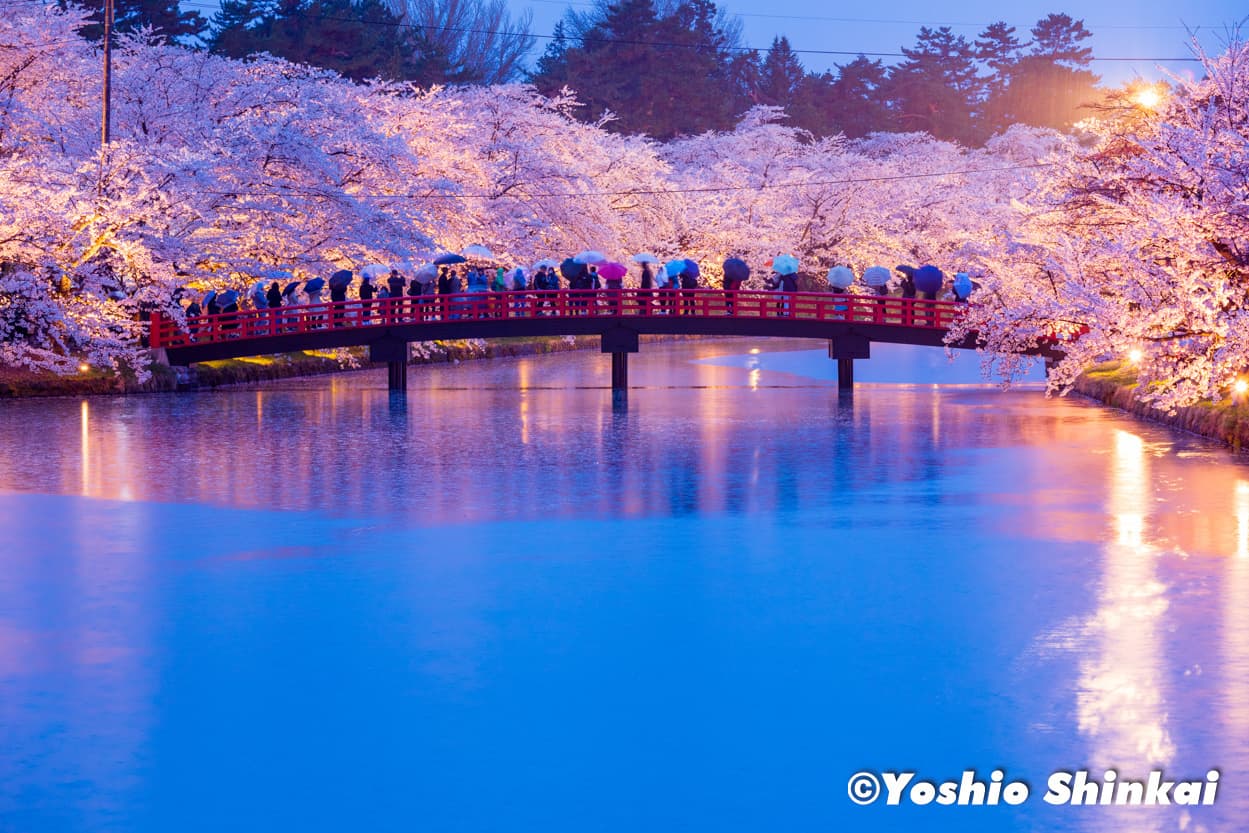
274 295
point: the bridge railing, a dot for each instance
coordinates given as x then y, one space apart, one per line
563 303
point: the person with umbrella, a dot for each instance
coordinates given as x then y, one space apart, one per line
689 283
576 275
211 305
647 284
366 292
395 285
229 301
736 273
312 290
259 299
193 312
908 280
274 296
339 283
963 287
786 269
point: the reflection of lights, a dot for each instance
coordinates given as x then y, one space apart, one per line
1135 356
85 445
1120 702
755 373
1242 519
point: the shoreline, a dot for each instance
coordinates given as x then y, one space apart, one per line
1114 384
21 384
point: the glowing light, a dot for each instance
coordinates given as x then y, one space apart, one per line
1147 97
83 367
1135 356
1239 387
754 351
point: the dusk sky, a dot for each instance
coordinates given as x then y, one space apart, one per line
1120 29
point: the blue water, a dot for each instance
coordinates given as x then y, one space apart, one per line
501 604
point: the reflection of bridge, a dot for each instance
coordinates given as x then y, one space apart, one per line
850 323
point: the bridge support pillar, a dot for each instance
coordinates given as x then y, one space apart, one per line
620 342
397 376
845 349
845 374
619 371
395 353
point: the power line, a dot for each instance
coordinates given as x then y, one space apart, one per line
651 192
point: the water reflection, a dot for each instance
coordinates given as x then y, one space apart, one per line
502 568
1121 702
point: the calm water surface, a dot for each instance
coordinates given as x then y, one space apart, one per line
501 604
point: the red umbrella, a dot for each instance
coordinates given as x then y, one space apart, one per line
611 270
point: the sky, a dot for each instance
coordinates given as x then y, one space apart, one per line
1120 28
1142 31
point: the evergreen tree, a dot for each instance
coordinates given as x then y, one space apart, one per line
780 75
851 102
1051 86
664 75
937 88
358 39
998 49
164 17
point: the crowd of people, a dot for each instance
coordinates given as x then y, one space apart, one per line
663 288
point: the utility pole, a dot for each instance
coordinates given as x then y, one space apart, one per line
108 69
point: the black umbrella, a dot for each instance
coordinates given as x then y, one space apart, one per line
449 259
314 285
571 269
291 289
909 271
735 269
340 279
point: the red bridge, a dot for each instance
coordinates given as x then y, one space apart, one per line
850 323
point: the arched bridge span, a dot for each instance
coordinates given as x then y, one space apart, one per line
849 323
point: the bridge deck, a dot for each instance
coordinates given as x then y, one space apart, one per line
617 315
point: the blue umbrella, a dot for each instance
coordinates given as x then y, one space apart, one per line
228 297
785 264
962 285
735 269
449 259
928 279
691 268
314 285
674 267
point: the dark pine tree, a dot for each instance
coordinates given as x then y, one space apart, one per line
937 88
663 76
358 39
164 17
1051 86
780 75
998 49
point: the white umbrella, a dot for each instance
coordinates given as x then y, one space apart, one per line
645 257
876 276
549 263
429 270
478 252
590 256
374 270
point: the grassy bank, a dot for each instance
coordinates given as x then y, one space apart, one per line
18 382
1114 383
